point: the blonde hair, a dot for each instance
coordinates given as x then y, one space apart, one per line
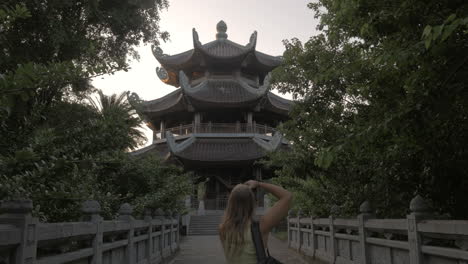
238 214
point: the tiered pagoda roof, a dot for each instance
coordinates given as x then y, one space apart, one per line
219 74
217 77
203 149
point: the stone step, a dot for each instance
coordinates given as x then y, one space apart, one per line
205 225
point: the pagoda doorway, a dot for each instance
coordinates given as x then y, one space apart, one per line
219 183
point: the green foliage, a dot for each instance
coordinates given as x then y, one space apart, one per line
56 147
382 107
116 111
79 155
51 50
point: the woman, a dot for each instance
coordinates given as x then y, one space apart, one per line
234 231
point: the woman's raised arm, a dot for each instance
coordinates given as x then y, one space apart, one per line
279 210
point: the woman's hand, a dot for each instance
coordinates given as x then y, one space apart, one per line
252 184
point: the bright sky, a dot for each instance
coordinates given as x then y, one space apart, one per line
274 20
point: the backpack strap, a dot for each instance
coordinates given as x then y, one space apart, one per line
258 241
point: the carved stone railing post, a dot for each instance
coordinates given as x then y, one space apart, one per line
419 210
159 215
125 214
299 237
91 211
365 213
290 235
333 245
176 215
18 213
165 250
168 215
313 238
149 248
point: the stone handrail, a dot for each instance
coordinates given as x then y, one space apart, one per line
364 240
23 239
221 128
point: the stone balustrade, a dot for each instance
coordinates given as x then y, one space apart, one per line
221 128
125 240
364 240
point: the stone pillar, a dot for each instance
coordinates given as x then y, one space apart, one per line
333 242
290 231
170 238
149 246
162 129
419 211
91 210
365 213
125 214
178 217
18 213
299 237
163 248
312 238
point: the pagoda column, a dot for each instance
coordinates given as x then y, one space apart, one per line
197 122
249 121
162 129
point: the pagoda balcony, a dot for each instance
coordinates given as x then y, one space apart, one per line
221 128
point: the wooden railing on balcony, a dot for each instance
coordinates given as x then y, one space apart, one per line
221 128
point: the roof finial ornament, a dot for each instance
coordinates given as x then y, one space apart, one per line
196 40
221 27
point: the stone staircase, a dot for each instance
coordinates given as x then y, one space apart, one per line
204 225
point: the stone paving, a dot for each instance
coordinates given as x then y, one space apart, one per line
208 250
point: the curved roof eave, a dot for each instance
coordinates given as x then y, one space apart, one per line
251 148
205 91
278 104
164 103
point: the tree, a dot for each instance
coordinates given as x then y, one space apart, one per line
51 49
115 110
55 148
78 155
382 109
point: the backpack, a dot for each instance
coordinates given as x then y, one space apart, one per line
262 258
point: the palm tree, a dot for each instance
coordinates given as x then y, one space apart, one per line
115 110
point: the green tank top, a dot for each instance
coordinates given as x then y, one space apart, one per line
246 254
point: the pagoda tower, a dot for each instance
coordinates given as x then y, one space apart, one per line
222 117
